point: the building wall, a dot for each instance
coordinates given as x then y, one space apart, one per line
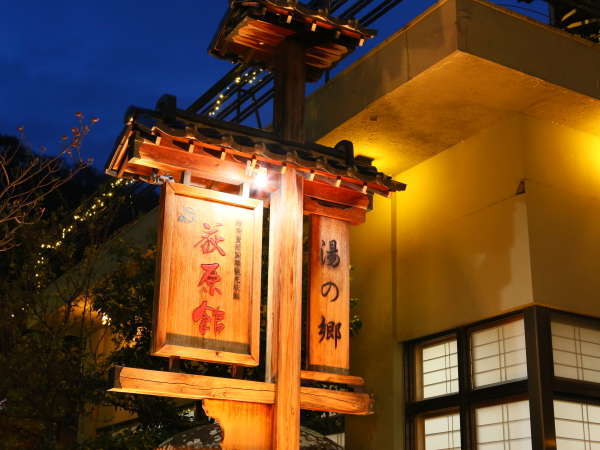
462 251
470 245
563 185
505 218
375 355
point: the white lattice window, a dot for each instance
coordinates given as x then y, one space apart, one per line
498 354
577 426
442 432
504 427
576 352
439 369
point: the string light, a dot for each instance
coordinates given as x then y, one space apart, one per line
84 213
245 78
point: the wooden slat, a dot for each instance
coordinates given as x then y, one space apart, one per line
354 216
325 377
201 165
316 399
117 158
146 172
339 195
197 387
135 169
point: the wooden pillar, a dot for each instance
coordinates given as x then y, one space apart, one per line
285 256
285 309
290 77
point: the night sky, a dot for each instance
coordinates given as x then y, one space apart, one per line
98 57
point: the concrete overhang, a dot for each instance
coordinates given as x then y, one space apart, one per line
453 71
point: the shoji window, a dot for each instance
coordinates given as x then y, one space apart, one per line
439 369
498 354
503 426
442 432
576 352
472 382
577 425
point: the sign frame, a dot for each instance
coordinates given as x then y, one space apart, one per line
329 297
164 279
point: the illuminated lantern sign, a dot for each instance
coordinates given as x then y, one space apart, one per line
207 302
329 308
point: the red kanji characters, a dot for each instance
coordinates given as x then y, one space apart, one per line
210 278
201 315
218 318
210 239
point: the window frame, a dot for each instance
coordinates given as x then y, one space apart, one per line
540 387
492 323
587 401
468 398
420 423
418 364
577 321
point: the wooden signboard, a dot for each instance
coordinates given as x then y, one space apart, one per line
329 302
207 301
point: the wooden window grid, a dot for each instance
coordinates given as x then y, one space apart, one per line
540 387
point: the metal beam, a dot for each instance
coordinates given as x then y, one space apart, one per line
378 11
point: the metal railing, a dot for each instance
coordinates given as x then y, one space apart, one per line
244 91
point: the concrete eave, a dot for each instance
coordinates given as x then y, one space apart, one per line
453 71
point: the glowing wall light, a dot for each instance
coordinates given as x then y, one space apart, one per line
261 178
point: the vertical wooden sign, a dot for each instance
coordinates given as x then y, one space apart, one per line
207 301
329 302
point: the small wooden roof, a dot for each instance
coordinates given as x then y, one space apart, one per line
251 32
168 141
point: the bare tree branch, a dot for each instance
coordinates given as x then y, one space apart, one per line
26 181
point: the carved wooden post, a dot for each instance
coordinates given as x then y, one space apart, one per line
285 301
285 256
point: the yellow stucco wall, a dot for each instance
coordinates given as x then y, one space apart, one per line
563 173
375 355
462 250
507 217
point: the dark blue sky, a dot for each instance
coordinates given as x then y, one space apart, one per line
99 57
